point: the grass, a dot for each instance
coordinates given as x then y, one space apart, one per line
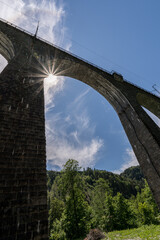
151 232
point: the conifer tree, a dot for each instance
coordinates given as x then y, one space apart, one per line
76 215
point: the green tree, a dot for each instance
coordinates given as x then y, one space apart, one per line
122 212
147 210
55 212
57 232
110 219
98 202
76 213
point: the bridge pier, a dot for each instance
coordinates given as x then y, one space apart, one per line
23 195
144 140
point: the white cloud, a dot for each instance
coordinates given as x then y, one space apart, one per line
62 150
75 136
51 88
72 135
130 160
26 14
11 10
80 97
79 111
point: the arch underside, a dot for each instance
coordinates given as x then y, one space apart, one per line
142 132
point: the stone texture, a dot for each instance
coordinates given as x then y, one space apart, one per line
22 132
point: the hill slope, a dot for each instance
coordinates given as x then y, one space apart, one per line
127 183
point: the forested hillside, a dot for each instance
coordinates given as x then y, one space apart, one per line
133 173
82 200
127 183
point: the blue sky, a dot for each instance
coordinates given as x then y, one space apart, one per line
118 35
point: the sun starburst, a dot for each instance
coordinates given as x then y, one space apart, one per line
51 79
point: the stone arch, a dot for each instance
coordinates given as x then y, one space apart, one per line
142 132
127 100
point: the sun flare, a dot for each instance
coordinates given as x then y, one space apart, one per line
51 84
51 79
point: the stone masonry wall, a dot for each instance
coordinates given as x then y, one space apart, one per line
23 197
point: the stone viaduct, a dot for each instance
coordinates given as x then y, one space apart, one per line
23 192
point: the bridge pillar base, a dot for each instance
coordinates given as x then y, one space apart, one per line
23 201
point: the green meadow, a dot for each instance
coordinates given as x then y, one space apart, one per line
151 232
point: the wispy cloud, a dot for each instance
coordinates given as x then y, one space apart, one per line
11 10
129 161
51 88
80 97
74 136
50 15
70 134
26 14
62 150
